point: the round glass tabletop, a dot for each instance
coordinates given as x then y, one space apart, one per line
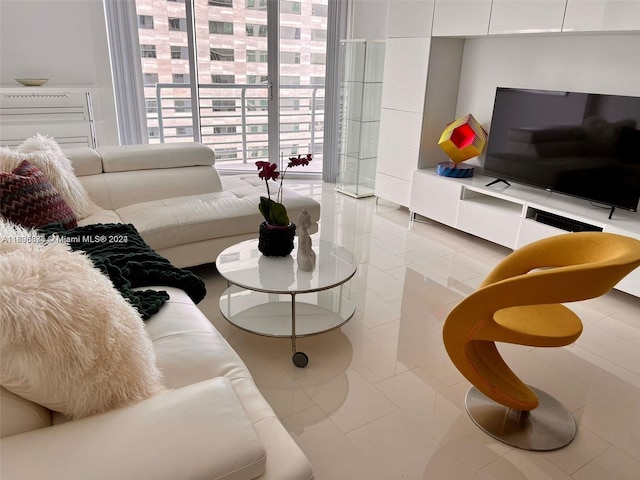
242 264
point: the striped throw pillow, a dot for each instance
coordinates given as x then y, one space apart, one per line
27 198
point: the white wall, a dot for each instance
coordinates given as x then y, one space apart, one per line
583 63
65 41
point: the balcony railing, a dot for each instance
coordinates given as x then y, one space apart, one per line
233 120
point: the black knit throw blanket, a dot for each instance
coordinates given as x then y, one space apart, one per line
118 250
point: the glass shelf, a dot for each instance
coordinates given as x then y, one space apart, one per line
360 105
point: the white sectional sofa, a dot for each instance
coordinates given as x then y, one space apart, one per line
175 197
213 422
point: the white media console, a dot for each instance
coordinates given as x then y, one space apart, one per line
515 215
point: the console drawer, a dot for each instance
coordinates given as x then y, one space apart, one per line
495 225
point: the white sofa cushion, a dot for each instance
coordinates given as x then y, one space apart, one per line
101 216
188 348
200 431
20 415
182 220
189 219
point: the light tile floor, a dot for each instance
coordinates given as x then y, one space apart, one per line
380 398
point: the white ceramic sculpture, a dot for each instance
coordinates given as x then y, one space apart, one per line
306 255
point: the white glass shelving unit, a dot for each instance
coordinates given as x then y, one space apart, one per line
360 101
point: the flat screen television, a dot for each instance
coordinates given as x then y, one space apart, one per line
581 144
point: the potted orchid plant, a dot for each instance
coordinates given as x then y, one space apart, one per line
277 231
273 211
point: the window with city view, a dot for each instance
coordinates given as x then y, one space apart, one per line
232 76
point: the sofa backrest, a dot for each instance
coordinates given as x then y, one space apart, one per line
119 176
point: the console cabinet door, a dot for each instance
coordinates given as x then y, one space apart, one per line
602 16
492 224
526 16
461 18
532 231
435 197
393 189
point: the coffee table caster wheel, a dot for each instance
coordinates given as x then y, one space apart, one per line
300 359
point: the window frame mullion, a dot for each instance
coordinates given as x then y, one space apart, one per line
193 70
273 94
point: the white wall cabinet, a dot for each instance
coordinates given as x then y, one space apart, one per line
602 16
428 82
513 216
415 109
469 18
399 143
461 18
526 16
409 18
404 83
406 62
398 150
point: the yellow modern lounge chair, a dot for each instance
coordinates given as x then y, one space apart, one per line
520 302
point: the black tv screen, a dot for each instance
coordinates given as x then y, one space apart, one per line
581 144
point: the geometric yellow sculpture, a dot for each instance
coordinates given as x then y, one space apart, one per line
463 139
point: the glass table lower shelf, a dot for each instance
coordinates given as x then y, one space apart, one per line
291 314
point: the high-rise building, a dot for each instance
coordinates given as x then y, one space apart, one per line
231 56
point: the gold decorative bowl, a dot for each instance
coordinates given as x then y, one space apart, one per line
32 82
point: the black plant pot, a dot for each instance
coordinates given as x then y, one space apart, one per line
276 240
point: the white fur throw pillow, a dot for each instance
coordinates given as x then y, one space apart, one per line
68 340
46 155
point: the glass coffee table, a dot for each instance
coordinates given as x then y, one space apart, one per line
271 296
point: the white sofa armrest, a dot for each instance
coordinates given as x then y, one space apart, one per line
196 432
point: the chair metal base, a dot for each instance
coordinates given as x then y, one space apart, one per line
549 427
